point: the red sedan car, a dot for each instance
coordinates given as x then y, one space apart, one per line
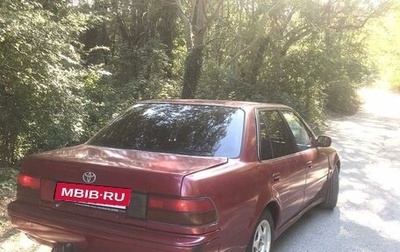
179 176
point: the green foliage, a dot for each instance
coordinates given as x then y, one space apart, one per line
8 182
343 98
382 45
305 54
39 84
67 67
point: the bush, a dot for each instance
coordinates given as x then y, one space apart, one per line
8 182
342 98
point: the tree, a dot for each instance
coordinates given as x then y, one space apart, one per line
67 66
195 29
129 49
38 81
382 45
307 54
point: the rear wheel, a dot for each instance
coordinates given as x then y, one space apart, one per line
68 247
332 191
262 238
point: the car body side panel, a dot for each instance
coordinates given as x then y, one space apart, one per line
317 167
288 176
243 189
235 189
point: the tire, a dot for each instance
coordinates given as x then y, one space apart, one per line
262 238
332 191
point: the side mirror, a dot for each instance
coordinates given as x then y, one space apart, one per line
324 141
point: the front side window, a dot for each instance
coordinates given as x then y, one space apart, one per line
274 136
198 130
301 135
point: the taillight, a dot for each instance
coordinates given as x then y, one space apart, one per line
188 212
28 181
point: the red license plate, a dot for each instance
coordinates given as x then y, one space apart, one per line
93 194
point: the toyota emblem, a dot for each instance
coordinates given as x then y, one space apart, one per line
89 177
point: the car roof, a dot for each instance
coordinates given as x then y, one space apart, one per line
225 103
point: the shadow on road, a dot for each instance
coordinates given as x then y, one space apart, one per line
367 215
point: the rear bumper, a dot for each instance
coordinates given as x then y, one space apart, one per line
89 234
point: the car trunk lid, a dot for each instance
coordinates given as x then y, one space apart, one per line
140 172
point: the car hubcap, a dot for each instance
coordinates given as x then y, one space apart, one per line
262 237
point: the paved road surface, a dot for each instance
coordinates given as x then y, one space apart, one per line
368 214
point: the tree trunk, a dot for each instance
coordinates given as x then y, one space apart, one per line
193 64
195 27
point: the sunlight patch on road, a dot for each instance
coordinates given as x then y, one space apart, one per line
355 196
386 175
23 244
370 203
381 102
387 229
368 200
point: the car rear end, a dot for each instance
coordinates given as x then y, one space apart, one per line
120 193
124 207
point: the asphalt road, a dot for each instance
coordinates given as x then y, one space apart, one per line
367 217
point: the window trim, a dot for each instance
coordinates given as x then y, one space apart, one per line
258 132
122 114
306 126
278 110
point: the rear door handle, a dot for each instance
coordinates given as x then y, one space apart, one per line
277 177
310 164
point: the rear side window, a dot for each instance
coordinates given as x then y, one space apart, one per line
275 139
197 130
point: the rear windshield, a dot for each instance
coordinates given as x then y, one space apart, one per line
196 130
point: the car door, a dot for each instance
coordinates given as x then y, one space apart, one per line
316 165
278 155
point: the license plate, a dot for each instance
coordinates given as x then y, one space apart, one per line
93 195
